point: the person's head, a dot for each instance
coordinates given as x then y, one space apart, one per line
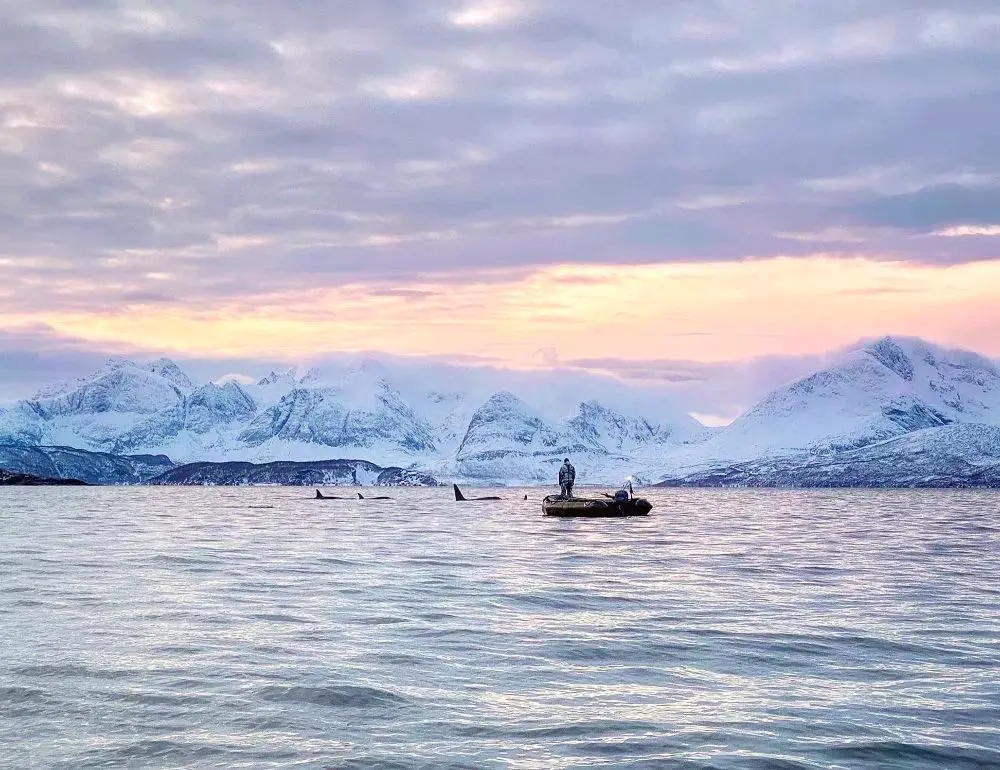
566 461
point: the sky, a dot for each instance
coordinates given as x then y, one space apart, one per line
640 188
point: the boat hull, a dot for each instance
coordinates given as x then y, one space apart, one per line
590 508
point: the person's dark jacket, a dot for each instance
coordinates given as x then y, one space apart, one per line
567 474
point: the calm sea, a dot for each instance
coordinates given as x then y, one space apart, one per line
731 629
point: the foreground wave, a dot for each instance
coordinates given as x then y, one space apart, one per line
252 627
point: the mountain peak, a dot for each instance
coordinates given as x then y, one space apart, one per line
275 377
312 376
900 353
504 398
111 366
169 370
892 356
880 389
116 362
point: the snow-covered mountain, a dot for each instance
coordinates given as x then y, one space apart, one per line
880 399
895 411
604 429
460 423
95 412
507 439
876 391
349 415
202 417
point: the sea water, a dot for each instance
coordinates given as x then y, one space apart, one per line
179 627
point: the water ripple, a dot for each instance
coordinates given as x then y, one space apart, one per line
251 627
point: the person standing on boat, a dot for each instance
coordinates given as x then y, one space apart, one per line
567 478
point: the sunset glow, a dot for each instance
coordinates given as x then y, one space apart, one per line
507 181
694 311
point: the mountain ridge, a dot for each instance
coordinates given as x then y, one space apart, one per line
876 391
90 467
365 411
479 427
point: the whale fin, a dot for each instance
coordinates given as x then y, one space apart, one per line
458 493
360 496
319 495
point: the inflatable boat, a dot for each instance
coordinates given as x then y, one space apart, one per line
595 508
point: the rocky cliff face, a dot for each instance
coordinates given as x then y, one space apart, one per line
318 474
328 416
8 479
91 467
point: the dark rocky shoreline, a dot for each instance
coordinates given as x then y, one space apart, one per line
9 479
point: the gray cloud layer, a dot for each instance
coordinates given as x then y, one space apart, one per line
154 151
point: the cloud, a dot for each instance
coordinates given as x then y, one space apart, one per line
931 208
706 312
547 356
307 143
411 294
35 355
662 370
715 393
242 379
251 182
989 231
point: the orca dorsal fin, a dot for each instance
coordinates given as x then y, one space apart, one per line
360 496
319 495
458 493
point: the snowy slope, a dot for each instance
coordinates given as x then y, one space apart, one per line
506 439
957 455
204 418
21 425
120 387
609 431
877 391
94 412
360 411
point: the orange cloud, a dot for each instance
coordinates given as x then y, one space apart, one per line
690 311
